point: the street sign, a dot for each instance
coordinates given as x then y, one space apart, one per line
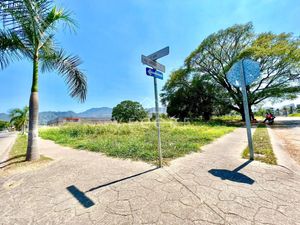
241 74
153 64
154 73
251 72
159 54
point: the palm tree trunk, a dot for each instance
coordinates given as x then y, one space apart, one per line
32 147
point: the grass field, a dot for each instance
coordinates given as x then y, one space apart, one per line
262 146
137 141
17 155
294 115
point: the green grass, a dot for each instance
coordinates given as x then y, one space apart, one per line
17 155
136 141
294 115
262 146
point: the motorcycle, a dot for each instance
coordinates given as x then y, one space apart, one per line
270 120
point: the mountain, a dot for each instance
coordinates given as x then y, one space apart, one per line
45 117
4 117
103 112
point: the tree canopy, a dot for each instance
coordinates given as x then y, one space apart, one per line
19 118
3 125
278 55
128 111
189 96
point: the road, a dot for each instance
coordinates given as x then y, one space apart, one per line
287 129
6 139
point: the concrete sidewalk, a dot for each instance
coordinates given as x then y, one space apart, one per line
215 186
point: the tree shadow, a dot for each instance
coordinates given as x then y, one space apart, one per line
86 201
233 175
12 161
12 158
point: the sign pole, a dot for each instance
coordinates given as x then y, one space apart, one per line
156 72
246 111
157 122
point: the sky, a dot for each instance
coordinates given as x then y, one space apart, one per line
112 35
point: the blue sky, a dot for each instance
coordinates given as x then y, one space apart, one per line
113 34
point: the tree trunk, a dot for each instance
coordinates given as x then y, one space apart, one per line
32 148
243 113
206 116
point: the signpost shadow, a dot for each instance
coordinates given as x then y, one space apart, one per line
86 202
233 175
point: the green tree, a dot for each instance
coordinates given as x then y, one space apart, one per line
19 118
261 112
3 125
128 111
298 108
278 55
29 28
187 95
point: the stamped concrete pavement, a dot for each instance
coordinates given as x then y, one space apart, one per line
215 186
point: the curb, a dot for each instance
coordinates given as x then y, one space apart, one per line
283 158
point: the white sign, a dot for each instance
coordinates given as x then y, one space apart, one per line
159 54
153 64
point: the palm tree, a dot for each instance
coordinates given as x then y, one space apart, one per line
19 118
29 28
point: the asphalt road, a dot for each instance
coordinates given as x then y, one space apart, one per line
6 140
287 129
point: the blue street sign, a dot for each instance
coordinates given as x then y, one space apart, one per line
154 73
250 69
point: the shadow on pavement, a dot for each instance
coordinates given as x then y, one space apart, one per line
233 175
12 161
12 158
86 201
286 124
122 179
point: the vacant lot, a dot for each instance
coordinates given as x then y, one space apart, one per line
137 141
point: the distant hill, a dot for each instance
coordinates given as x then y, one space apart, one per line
45 117
102 112
4 117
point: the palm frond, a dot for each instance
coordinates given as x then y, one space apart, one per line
68 67
19 115
13 13
11 48
57 15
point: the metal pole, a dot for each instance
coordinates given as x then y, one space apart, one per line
246 111
157 122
